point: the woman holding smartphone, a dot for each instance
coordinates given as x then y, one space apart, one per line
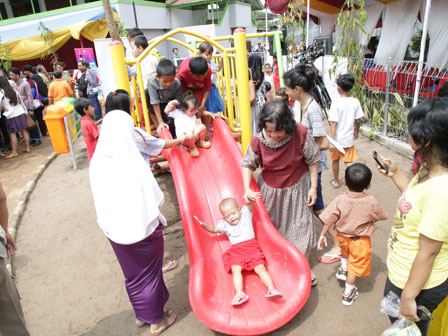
417 260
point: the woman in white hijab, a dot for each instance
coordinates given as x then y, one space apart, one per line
127 201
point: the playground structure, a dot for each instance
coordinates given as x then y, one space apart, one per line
201 183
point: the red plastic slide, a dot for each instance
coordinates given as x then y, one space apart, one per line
201 183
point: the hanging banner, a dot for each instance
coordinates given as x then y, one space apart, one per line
87 55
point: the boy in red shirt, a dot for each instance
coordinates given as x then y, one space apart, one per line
89 130
196 76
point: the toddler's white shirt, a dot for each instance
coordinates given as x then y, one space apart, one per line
183 122
240 232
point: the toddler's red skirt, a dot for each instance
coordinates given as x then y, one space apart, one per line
246 254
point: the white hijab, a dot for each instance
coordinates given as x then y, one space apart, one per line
126 195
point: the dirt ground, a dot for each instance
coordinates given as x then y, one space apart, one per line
15 173
71 284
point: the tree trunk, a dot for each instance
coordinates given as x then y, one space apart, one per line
113 28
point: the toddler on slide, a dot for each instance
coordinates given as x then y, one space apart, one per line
188 124
245 252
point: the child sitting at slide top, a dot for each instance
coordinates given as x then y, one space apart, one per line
245 252
214 102
162 88
195 75
353 214
188 123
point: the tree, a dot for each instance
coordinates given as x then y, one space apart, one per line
113 28
5 59
47 36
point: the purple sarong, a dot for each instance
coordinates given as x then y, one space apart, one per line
141 264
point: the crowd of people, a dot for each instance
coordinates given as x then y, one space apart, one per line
25 95
289 147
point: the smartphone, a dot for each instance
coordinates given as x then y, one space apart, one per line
380 163
423 313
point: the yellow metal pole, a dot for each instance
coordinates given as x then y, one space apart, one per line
143 97
119 64
242 76
228 87
137 112
235 113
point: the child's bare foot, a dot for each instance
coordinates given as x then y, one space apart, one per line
194 152
205 144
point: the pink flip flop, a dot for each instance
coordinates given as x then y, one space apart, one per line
241 301
274 294
334 258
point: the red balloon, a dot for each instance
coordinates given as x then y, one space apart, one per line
277 6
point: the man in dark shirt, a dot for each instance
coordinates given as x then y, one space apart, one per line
36 81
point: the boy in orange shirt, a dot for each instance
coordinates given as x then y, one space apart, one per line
353 215
59 89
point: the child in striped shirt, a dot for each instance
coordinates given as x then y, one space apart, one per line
353 215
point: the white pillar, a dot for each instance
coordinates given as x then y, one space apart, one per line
422 52
307 22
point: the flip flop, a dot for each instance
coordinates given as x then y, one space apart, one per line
334 258
11 156
171 264
26 150
274 294
165 327
332 182
241 300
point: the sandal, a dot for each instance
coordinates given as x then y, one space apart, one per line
11 156
329 258
239 299
169 319
274 294
26 150
169 266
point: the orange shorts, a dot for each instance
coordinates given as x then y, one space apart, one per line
349 156
359 254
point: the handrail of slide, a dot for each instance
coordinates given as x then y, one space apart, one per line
201 183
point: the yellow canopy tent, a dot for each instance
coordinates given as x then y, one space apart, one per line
32 47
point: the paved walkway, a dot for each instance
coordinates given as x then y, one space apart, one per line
71 283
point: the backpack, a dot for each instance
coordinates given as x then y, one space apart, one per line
82 83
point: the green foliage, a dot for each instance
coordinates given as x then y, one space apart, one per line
292 19
260 24
397 116
352 19
373 107
122 30
47 35
5 59
416 41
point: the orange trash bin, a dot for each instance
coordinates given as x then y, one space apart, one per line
56 128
